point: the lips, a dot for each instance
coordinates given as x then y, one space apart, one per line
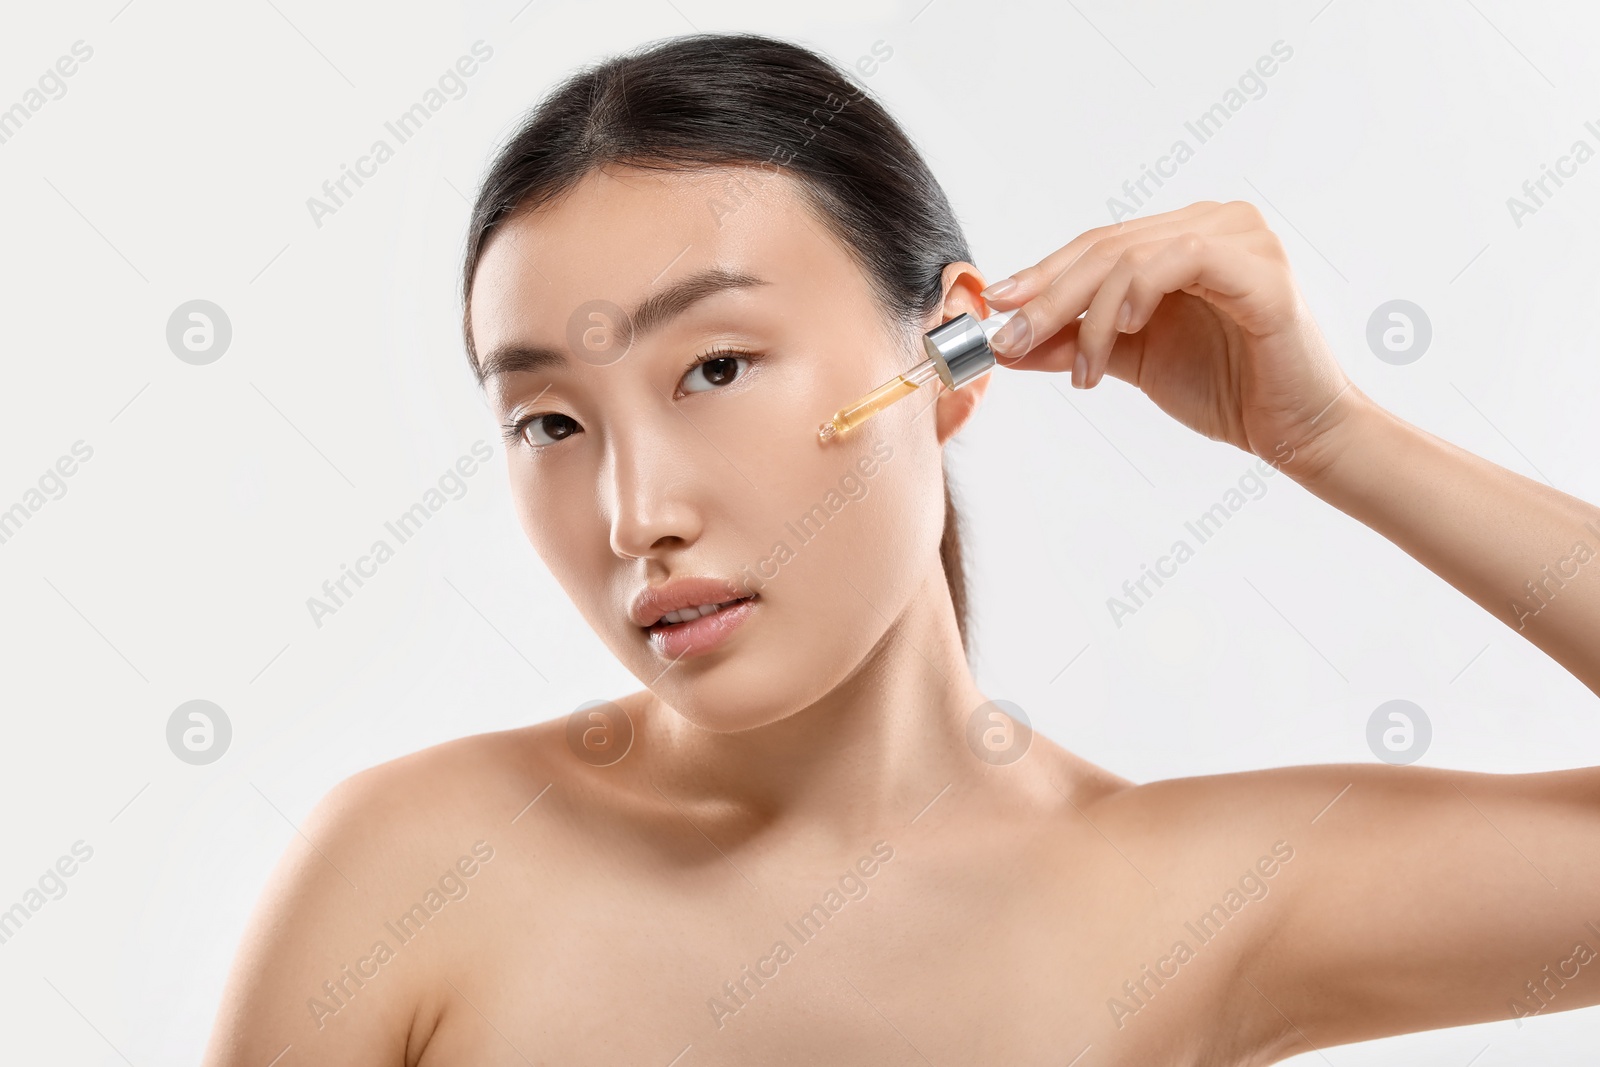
683 615
702 634
683 600
691 617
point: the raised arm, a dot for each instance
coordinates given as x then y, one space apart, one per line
1526 553
1417 897
1406 898
1198 308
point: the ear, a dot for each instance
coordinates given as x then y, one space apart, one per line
962 288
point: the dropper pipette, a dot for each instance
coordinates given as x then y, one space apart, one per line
958 351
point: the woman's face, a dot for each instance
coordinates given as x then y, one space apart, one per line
636 469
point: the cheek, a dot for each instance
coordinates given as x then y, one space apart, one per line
861 541
768 441
837 564
540 523
864 510
770 432
563 526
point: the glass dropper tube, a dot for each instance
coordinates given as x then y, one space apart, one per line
958 351
848 418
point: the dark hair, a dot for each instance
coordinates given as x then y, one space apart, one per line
710 99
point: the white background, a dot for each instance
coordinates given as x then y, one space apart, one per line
218 498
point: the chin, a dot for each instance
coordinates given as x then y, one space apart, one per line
739 693
766 670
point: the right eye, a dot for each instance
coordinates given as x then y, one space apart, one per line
542 431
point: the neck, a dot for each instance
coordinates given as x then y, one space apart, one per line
876 748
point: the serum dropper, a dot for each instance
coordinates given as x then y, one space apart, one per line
958 351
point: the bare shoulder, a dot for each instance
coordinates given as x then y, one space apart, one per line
1077 779
406 800
1211 810
1227 865
380 857
1191 830
1334 894
1194 830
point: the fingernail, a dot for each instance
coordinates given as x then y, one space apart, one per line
1080 371
1014 337
1000 288
1124 317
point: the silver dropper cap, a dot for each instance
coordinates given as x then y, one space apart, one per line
960 348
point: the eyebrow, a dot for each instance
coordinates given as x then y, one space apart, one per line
652 313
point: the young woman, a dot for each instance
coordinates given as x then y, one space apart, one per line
810 838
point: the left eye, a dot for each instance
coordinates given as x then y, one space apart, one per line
714 373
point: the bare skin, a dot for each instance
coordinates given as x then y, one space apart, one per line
980 910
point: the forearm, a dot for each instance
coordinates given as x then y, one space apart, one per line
1524 552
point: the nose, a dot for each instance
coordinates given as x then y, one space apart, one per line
651 484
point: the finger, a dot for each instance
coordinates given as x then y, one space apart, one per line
1060 299
1030 281
1235 272
1060 351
